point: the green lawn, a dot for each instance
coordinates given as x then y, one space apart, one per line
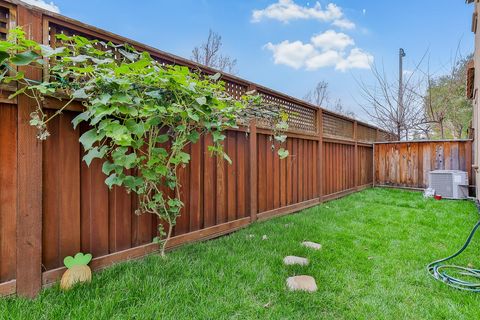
376 244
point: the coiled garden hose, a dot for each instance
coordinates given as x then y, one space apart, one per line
439 271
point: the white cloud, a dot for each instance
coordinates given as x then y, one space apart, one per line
332 40
344 24
287 10
293 54
357 59
50 6
327 49
323 59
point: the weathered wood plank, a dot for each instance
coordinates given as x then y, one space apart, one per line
8 191
407 164
29 214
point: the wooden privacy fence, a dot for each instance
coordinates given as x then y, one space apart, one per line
53 205
406 164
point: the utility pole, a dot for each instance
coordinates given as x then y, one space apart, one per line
401 116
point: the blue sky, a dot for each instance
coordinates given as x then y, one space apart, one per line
377 29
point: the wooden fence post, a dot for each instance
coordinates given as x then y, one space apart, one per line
320 154
355 154
252 168
29 205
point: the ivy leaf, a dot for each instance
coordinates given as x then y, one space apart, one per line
129 55
121 98
201 100
5 45
154 94
130 160
193 115
84 116
282 153
182 157
135 128
281 138
3 56
193 136
89 138
112 180
163 138
215 77
132 182
108 167
79 58
48 51
80 94
105 98
94 153
24 58
218 136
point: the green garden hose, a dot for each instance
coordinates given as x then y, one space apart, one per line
438 270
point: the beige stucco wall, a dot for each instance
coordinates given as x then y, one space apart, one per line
476 123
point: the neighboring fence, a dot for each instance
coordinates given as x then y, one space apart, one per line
406 164
53 205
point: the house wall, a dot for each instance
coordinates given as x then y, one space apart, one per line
476 106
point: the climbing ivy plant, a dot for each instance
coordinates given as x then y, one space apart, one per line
140 113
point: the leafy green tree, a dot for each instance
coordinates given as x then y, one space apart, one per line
446 105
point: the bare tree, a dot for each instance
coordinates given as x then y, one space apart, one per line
381 102
208 54
338 107
320 96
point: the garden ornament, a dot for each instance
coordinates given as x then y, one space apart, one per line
78 270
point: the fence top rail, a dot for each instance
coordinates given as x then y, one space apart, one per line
424 141
107 35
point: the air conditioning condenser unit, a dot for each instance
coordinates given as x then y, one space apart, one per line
450 184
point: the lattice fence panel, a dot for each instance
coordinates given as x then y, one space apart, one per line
55 29
4 22
300 118
366 134
386 136
236 90
337 127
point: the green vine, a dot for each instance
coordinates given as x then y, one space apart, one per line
141 114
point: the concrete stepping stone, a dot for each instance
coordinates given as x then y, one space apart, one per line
313 245
291 260
302 283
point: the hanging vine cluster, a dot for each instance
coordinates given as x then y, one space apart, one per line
141 114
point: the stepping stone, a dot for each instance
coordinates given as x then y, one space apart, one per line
313 245
291 260
302 283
